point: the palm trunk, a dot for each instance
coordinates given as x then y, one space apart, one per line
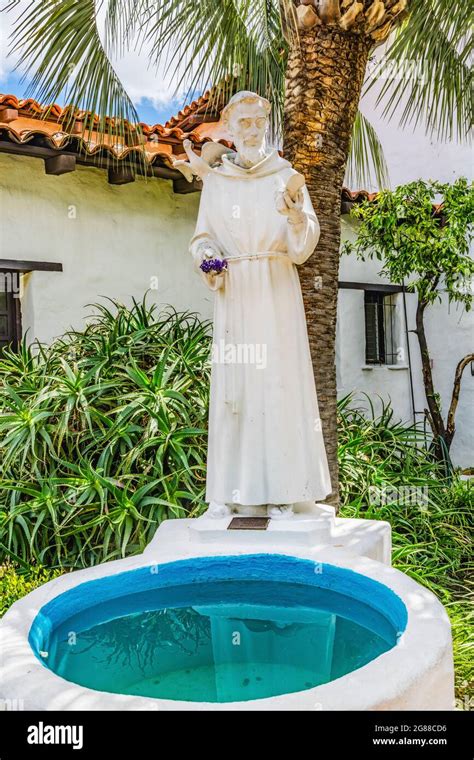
325 73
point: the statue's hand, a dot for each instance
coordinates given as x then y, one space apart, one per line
209 249
290 207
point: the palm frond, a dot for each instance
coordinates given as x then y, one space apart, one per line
225 44
430 79
61 45
231 43
366 165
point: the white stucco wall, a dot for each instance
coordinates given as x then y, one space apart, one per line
111 240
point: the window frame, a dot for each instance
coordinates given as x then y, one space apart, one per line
12 310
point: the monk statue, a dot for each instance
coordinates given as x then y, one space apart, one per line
256 224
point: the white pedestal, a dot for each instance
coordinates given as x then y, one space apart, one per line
310 524
310 531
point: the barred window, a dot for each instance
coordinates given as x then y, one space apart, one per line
379 328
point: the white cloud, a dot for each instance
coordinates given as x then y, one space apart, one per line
7 63
141 81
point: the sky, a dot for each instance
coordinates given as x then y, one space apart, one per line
152 92
150 109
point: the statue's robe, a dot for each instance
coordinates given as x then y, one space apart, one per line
265 439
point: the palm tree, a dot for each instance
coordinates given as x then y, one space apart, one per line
310 57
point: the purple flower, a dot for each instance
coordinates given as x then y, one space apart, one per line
213 265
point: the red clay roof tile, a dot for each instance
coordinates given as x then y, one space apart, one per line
162 143
159 141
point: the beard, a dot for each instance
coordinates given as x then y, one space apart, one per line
250 154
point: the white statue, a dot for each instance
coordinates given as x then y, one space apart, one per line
266 451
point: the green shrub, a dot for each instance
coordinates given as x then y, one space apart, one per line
16 582
387 474
103 435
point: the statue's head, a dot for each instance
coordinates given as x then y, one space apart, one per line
246 120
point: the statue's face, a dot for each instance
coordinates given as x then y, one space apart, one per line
247 126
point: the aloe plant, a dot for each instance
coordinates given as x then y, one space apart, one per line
103 435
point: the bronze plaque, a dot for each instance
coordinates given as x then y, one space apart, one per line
248 523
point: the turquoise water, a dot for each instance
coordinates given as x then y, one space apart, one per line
217 641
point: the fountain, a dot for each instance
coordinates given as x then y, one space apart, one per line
268 600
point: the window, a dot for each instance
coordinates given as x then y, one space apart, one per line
380 345
10 315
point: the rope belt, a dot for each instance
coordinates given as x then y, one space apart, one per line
259 255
